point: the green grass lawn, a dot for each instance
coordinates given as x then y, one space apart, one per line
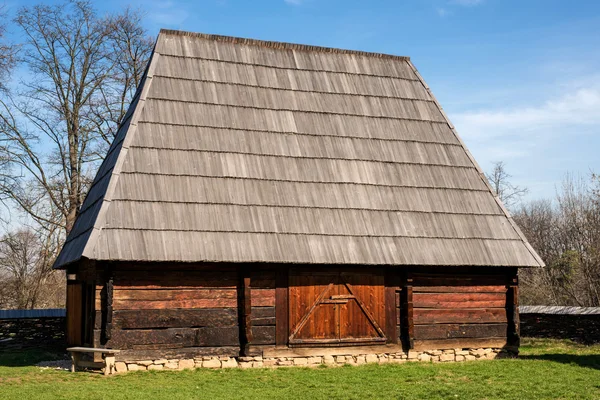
547 369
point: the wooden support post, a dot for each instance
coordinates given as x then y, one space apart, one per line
107 305
245 310
391 285
408 326
281 308
512 309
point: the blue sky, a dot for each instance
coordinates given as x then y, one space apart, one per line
519 79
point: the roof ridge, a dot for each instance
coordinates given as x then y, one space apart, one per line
279 45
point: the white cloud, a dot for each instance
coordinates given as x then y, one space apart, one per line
577 106
538 139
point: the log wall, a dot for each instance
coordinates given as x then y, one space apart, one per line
459 310
262 283
169 311
157 310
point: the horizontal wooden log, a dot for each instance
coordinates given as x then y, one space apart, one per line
169 304
177 318
472 316
263 312
453 280
135 280
182 337
460 289
459 300
178 353
453 331
466 343
263 282
263 316
263 334
174 294
263 297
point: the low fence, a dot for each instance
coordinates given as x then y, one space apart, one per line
39 313
580 324
29 329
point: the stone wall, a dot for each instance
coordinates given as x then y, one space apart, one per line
29 333
580 328
315 361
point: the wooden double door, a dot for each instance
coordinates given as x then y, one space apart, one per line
338 307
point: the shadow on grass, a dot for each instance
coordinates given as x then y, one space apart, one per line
587 361
29 357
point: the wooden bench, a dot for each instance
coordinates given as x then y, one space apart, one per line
107 354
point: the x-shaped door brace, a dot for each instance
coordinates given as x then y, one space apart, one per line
338 299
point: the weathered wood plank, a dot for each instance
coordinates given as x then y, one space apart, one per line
175 294
169 304
452 331
460 289
459 300
263 297
512 308
281 308
182 337
391 314
407 312
133 280
460 280
475 315
264 281
263 312
176 318
263 334
263 316
177 353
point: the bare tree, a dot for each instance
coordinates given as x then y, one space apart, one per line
82 77
26 268
7 52
508 193
566 234
7 61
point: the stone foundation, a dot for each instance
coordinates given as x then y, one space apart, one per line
315 361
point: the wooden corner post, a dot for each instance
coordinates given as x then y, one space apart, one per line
107 306
408 326
391 317
281 307
245 310
512 309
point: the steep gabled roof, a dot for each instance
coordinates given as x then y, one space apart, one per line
241 150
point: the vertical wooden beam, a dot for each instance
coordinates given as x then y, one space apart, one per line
74 309
408 327
512 309
391 285
281 307
245 310
109 305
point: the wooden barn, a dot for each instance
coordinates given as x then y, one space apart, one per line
265 199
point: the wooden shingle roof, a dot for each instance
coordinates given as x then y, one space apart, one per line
239 150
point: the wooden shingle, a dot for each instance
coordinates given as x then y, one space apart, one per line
238 150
